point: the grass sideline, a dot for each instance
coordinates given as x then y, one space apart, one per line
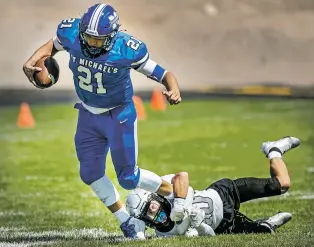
43 201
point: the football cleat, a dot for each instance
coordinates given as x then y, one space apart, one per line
133 228
276 221
282 145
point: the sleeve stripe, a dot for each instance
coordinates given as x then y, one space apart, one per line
147 68
57 44
163 75
152 70
141 61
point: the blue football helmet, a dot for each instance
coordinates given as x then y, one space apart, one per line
98 29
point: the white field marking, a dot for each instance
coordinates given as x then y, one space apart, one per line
32 178
33 136
73 234
45 178
11 213
25 244
78 214
13 129
165 123
209 119
71 213
13 135
13 229
224 168
294 195
287 106
305 197
310 169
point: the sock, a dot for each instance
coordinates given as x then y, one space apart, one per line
274 153
122 215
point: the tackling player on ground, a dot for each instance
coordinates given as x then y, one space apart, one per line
215 209
101 57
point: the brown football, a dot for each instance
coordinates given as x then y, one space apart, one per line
49 74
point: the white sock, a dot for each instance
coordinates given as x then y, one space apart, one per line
274 154
122 215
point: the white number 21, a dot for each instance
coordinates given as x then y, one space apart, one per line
85 82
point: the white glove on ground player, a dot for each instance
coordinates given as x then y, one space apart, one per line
197 216
179 211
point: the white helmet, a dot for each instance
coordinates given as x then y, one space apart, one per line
153 209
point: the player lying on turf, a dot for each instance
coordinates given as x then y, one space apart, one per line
215 209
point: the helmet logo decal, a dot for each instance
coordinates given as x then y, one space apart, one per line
113 20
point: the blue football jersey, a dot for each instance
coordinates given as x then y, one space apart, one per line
102 82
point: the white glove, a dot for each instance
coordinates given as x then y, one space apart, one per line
197 216
178 212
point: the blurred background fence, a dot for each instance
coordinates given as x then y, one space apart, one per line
213 46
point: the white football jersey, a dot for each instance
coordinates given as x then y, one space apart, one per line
207 200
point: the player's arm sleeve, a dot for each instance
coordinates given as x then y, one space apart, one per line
147 66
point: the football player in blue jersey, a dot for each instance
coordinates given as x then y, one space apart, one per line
101 58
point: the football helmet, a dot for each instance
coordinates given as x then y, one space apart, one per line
151 208
98 29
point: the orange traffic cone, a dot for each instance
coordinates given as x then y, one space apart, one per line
158 101
140 109
25 118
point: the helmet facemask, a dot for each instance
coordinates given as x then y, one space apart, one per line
156 212
92 51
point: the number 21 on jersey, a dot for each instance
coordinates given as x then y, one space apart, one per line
85 82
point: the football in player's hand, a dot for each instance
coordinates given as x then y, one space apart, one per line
49 74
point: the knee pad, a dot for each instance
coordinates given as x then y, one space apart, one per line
129 180
105 190
92 170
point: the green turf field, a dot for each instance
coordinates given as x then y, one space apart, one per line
42 199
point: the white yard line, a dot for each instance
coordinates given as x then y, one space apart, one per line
28 238
294 195
25 244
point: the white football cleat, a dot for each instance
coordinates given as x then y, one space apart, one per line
277 220
283 145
